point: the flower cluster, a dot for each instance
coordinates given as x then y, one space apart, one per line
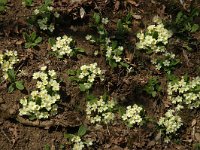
167 60
42 102
44 15
155 38
133 115
63 46
78 143
154 41
170 122
88 74
185 92
90 38
111 50
100 111
7 61
114 54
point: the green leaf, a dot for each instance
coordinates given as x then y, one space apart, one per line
19 85
48 2
28 45
11 75
97 18
122 110
2 8
71 72
28 2
112 63
82 130
11 88
26 37
33 36
73 79
68 136
47 147
153 93
38 40
123 64
120 27
81 50
194 28
114 44
52 41
3 2
179 17
82 87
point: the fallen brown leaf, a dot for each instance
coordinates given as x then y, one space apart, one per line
197 136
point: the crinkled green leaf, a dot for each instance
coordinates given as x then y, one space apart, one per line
82 130
19 85
11 88
38 40
11 75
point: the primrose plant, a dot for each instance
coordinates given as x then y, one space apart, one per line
100 110
27 3
170 124
86 76
31 40
76 140
44 17
64 46
3 5
41 104
185 92
153 87
7 62
154 41
111 49
133 115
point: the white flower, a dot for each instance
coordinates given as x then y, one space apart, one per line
7 61
117 59
105 20
52 73
166 63
157 19
170 122
100 111
158 66
56 14
88 37
36 11
42 103
50 8
132 115
51 28
63 46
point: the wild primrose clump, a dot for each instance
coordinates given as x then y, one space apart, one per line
7 62
185 92
100 110
132 116
44 17
63 46
86 76
154 41
171 122
41 104
111 48
78 144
